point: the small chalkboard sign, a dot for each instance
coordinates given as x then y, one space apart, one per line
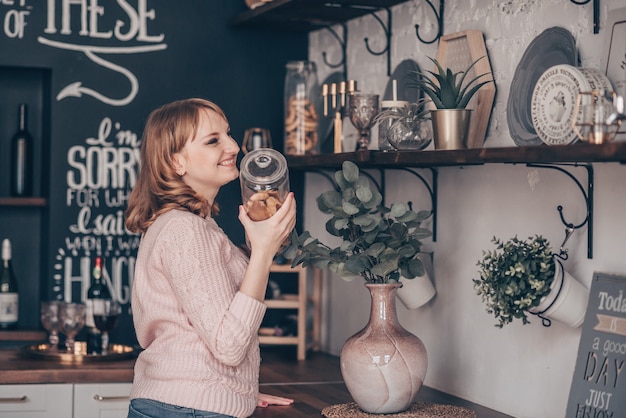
599 384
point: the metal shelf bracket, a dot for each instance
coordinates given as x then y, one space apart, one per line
432 187
439 16
596 12
387 29
343 43
587 195
432 191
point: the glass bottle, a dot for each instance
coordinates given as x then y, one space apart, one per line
9 297
301 136
22 157
97 296
264 181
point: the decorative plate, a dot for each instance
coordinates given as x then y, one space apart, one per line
554 99
552 47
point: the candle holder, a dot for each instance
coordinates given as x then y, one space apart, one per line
593 123
362 109
337 94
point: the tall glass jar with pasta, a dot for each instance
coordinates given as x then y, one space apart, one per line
301 116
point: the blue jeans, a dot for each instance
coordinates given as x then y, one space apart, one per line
148 408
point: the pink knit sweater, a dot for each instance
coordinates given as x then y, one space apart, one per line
199 333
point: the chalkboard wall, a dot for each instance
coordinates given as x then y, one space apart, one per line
98 73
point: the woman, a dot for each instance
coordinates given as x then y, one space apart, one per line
197 300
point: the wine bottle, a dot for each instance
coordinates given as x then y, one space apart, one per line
97 295
22 157
9 298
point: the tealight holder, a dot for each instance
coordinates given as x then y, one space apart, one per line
592 123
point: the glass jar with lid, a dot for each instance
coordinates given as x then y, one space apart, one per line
301 103
384 127
264 181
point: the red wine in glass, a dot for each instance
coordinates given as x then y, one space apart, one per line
106 323
105 317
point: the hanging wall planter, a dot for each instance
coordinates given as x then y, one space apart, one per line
566 302
523 277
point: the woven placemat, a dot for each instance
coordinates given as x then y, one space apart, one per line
417 410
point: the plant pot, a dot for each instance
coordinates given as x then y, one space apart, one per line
383 365
566 302
416 292
451 128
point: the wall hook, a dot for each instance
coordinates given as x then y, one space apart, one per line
343 43
439 16
596 12
563 255
387 29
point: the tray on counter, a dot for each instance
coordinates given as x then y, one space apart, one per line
44 351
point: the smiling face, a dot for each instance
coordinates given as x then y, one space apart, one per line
208 160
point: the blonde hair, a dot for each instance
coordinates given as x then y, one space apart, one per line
159 188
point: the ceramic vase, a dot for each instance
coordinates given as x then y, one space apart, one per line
451 128
383 365
566 302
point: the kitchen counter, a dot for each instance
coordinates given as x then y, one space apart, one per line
15 368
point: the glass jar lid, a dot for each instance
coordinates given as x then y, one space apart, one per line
263 166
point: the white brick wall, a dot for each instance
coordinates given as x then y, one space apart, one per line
524 371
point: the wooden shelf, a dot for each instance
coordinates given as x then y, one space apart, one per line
575 153
23 335
23 201
300 302
272 340
307 15
288 303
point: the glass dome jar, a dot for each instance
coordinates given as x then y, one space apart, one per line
302 95
264 181
384 127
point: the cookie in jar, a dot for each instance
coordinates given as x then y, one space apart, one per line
264 181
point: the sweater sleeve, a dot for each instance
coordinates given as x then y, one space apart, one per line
205 278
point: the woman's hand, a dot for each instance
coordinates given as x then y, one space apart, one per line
265 238
268 235
266 400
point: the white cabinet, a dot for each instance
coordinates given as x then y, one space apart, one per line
85 400
36 401
101 400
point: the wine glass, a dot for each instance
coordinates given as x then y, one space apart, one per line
72 320
105 316
362 108
50 321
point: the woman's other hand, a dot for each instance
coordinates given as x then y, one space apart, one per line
267 400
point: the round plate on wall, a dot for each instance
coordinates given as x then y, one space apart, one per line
553 104
552 47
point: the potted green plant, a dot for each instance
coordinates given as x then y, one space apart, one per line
379 244
522 277
405 127
450 92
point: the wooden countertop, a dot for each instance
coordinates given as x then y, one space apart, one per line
15 368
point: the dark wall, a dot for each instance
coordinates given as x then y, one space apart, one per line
93 91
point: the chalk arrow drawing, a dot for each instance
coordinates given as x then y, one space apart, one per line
77 89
